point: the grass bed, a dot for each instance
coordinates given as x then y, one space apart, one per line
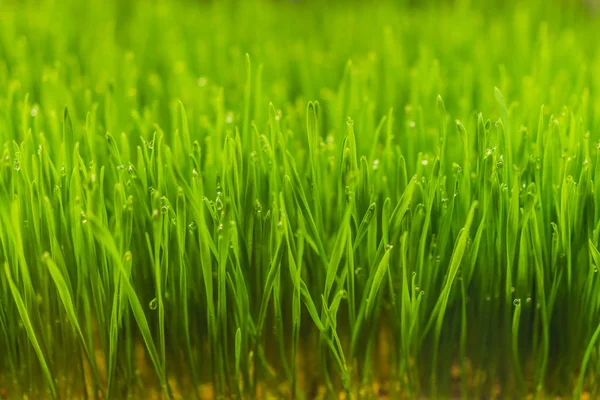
210 200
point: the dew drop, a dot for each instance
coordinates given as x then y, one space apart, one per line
517 302
153 304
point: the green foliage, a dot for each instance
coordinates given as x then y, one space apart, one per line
202 199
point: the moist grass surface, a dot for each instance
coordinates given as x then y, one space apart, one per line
299 199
